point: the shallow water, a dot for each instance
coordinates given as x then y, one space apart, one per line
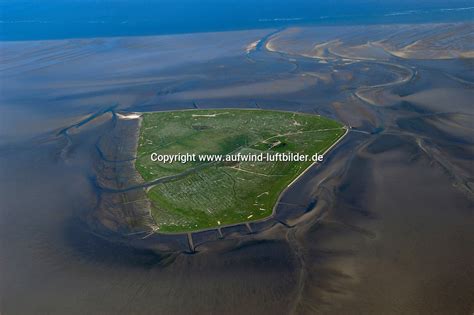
384 226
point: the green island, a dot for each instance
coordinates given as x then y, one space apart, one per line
199 195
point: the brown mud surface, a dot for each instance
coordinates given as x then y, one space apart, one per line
383 226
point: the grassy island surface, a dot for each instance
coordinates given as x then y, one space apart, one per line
197 195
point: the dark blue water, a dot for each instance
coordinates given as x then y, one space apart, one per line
53 19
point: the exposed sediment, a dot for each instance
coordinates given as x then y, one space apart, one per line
126 212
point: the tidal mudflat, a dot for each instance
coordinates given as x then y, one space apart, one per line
383 226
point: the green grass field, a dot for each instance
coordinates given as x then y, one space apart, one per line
217 194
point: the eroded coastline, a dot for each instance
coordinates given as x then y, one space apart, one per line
123 207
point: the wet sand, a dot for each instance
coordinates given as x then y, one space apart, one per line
383 226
